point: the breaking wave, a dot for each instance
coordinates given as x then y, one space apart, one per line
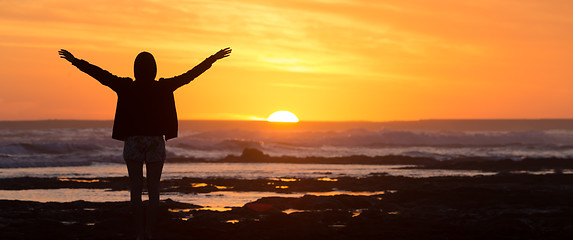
69 147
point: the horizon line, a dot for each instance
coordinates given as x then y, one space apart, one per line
251 120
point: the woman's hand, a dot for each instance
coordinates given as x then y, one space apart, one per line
66 55
223 53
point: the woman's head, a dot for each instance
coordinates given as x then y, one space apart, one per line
145 68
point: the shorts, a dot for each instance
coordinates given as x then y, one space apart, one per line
144 149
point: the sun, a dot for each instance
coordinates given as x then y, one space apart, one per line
282 116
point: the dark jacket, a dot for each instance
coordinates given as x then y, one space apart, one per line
143 108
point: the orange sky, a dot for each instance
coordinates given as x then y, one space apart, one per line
323 60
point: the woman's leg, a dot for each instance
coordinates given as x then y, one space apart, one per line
154 170
135 171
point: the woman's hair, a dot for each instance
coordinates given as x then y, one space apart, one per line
145 68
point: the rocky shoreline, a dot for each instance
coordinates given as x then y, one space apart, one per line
502 206
251 155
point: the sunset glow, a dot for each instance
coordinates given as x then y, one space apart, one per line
325 60
282 116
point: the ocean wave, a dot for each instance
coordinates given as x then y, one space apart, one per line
438 138
367 138
56 147
47 148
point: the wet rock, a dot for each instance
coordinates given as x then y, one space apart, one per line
311 202
512 206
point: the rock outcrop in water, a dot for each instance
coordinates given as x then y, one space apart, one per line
252 155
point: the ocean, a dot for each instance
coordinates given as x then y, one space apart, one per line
84 149
83 143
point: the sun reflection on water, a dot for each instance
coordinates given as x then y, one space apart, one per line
80 180
178 210
199 185
202 185
285 179
215 209
222 201
327 179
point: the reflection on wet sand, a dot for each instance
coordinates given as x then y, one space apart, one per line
219 201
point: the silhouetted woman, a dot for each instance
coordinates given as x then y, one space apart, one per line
145 115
